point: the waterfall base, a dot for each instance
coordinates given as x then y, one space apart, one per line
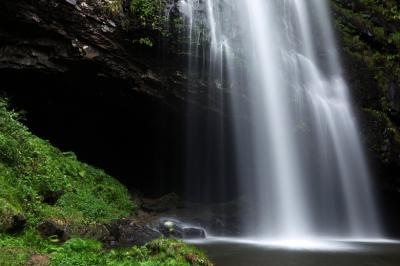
239 252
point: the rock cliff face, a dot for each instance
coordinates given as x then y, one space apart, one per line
369 35
63 37
88 86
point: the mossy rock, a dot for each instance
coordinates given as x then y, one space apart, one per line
11 218
53 227
93 231
370 40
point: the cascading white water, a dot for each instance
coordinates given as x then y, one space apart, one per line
305 172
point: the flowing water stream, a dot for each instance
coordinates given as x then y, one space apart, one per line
299 158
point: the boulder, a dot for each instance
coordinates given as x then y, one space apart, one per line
53 227
94 231
11 219
177 229
129 232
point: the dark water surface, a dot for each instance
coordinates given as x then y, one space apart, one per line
227 253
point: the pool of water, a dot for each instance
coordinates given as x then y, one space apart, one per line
233 252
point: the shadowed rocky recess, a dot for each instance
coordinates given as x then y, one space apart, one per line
87 87
122 106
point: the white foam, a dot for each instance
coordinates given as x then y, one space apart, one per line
311 244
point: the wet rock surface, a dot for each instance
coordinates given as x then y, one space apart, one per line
128 232
177 229
181 220
195 220
365 33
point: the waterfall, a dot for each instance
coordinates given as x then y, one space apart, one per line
298 157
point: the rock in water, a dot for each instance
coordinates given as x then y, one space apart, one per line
177 229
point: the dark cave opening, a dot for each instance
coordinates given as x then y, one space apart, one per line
139 139
128 134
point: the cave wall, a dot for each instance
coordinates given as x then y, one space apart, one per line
131 136
86 86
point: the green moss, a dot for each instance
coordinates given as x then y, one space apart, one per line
41 181
146 21
370 41
159 252
76 252
16 251
149 14
144 41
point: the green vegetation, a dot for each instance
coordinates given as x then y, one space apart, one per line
31 249
17 250
371 38
150 13
158 252
369 32
114 7
146 20
40 183
144 41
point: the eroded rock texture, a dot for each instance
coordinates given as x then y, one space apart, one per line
87 86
